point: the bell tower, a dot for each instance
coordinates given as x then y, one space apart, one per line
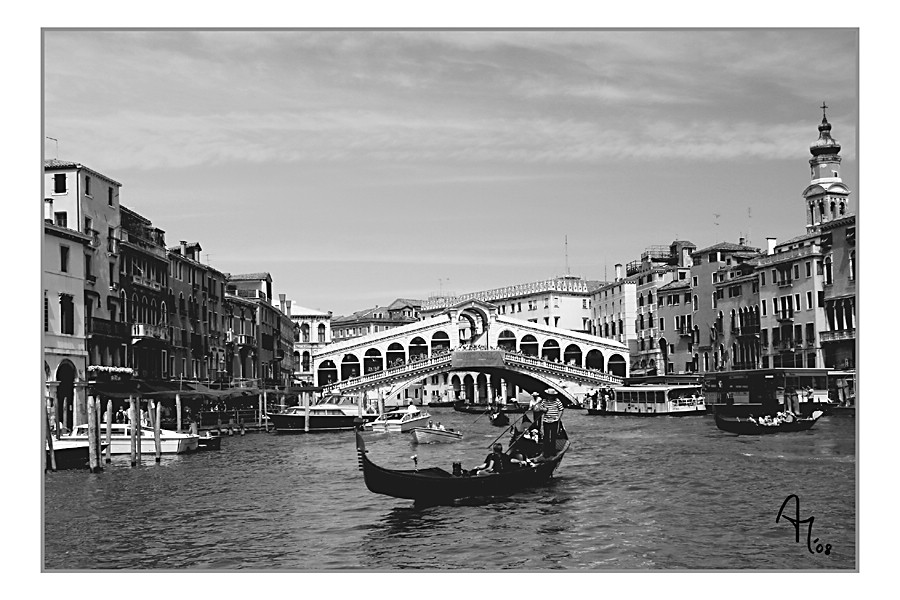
826 197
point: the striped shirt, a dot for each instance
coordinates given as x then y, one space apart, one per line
552 410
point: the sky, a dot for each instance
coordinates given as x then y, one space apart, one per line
357 166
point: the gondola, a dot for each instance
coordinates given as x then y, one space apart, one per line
435 485
499 419
477 409
744 426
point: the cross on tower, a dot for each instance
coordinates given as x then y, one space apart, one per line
823 107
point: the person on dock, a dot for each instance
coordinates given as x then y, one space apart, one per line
552 409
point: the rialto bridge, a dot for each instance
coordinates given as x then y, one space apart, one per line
470 351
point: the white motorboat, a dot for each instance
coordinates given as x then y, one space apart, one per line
328 415
171 442
431 435
399 419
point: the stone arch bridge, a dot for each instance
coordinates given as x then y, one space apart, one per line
480 353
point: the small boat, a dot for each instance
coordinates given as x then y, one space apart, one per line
435 485
477 409
430 435
327 415
499 419
441 404
210 441
171 442
70 454
399 419
751 426
648 400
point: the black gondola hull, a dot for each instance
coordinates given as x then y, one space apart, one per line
740 426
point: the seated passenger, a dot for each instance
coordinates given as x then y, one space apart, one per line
493 462
441 427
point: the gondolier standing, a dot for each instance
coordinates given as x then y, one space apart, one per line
552 409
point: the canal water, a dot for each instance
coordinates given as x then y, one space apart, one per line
632 494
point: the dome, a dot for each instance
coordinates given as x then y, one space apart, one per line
825 144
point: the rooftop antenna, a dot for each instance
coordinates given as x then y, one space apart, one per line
749 217
567 255
717 215
57 144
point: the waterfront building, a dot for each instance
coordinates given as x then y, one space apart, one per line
738 320
287 333
658 267
401 311
64 343
196 318
80 199
712 266
678 331
563 302
265 361
312 332
614 310
241 346
144 281
838 339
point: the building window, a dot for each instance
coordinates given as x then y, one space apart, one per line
797 301
662 324
796 271
110 196
762 278
46 312
808 269
59 183
852 270
764 303
87 185
809 300
66 314
61 219
64 259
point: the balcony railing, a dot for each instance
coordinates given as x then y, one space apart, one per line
244 340
784 317
746 330
146 330
789 344
786 283
106 327
146 282
837 336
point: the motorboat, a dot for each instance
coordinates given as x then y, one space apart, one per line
431 435
764 425
70 454
329 414
650 400
399 419
171 442
210 441
435 485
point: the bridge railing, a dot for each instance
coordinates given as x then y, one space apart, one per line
563 367
380 376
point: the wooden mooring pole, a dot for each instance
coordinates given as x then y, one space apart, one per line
51 462
306 412
178 413
132 428
93 435
156 431
109 418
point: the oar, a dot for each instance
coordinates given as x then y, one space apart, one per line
510 426
481 415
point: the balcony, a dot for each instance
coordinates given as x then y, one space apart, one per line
748 330
148 331
91 279
786 283
785 317
114 286
837 336
245 340
145 282
96 326
789 345
94 235
685 332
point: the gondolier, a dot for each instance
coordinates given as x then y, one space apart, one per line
552 409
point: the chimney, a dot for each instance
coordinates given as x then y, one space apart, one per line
741 241
287 306
281 301
618 272
183 248
770 245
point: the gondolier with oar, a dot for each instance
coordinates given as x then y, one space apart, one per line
552 408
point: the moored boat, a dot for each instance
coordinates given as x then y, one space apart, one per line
431 435
70 454
399 420
435 485
477 409
327 415
171 442
756 426
210 441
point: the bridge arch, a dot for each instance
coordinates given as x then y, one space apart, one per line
468 383
350 367
327 372
594 360
572 355
507 340
550 350
617 365
373 361
440 341
396 354
418 348
529 345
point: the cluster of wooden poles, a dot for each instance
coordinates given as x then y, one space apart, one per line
95 426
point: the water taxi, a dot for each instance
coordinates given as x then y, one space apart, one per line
650 400
171 442
399 419
328 415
